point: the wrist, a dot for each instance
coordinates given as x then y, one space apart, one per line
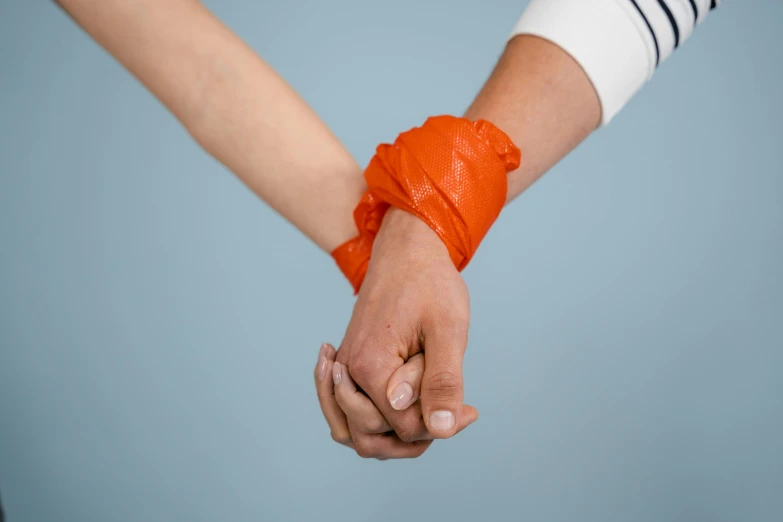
405 230
450 177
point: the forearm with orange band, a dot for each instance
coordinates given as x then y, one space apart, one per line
450 172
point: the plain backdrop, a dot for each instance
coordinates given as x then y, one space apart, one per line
159 325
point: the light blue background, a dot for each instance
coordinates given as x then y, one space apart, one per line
159 325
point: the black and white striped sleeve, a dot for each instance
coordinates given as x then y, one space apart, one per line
618 43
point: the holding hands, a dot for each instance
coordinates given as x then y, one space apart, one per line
425 202
447 182
396 382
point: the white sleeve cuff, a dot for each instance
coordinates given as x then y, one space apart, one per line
604 37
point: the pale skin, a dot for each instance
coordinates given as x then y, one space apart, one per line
410 321
235 106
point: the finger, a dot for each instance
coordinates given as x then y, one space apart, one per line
404 389
405 383
442 386
324 386
467 416
385 446
372 373
356 406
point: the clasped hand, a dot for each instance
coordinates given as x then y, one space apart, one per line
395 383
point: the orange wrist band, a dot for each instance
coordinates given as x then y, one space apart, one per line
450 172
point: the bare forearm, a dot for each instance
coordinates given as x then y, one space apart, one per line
235 106
543 100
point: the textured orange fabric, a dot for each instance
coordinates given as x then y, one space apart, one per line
450 172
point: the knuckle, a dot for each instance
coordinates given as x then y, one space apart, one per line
373 424
407 432
341 438
442 385
364 366
363 448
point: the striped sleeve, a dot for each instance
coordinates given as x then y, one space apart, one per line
618 43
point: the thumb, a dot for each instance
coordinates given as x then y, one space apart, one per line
441 386
405 383
404 390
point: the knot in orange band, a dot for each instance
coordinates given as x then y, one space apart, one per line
450 172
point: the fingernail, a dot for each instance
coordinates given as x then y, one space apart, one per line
322 362
337 373
402 396
442 420
322 368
